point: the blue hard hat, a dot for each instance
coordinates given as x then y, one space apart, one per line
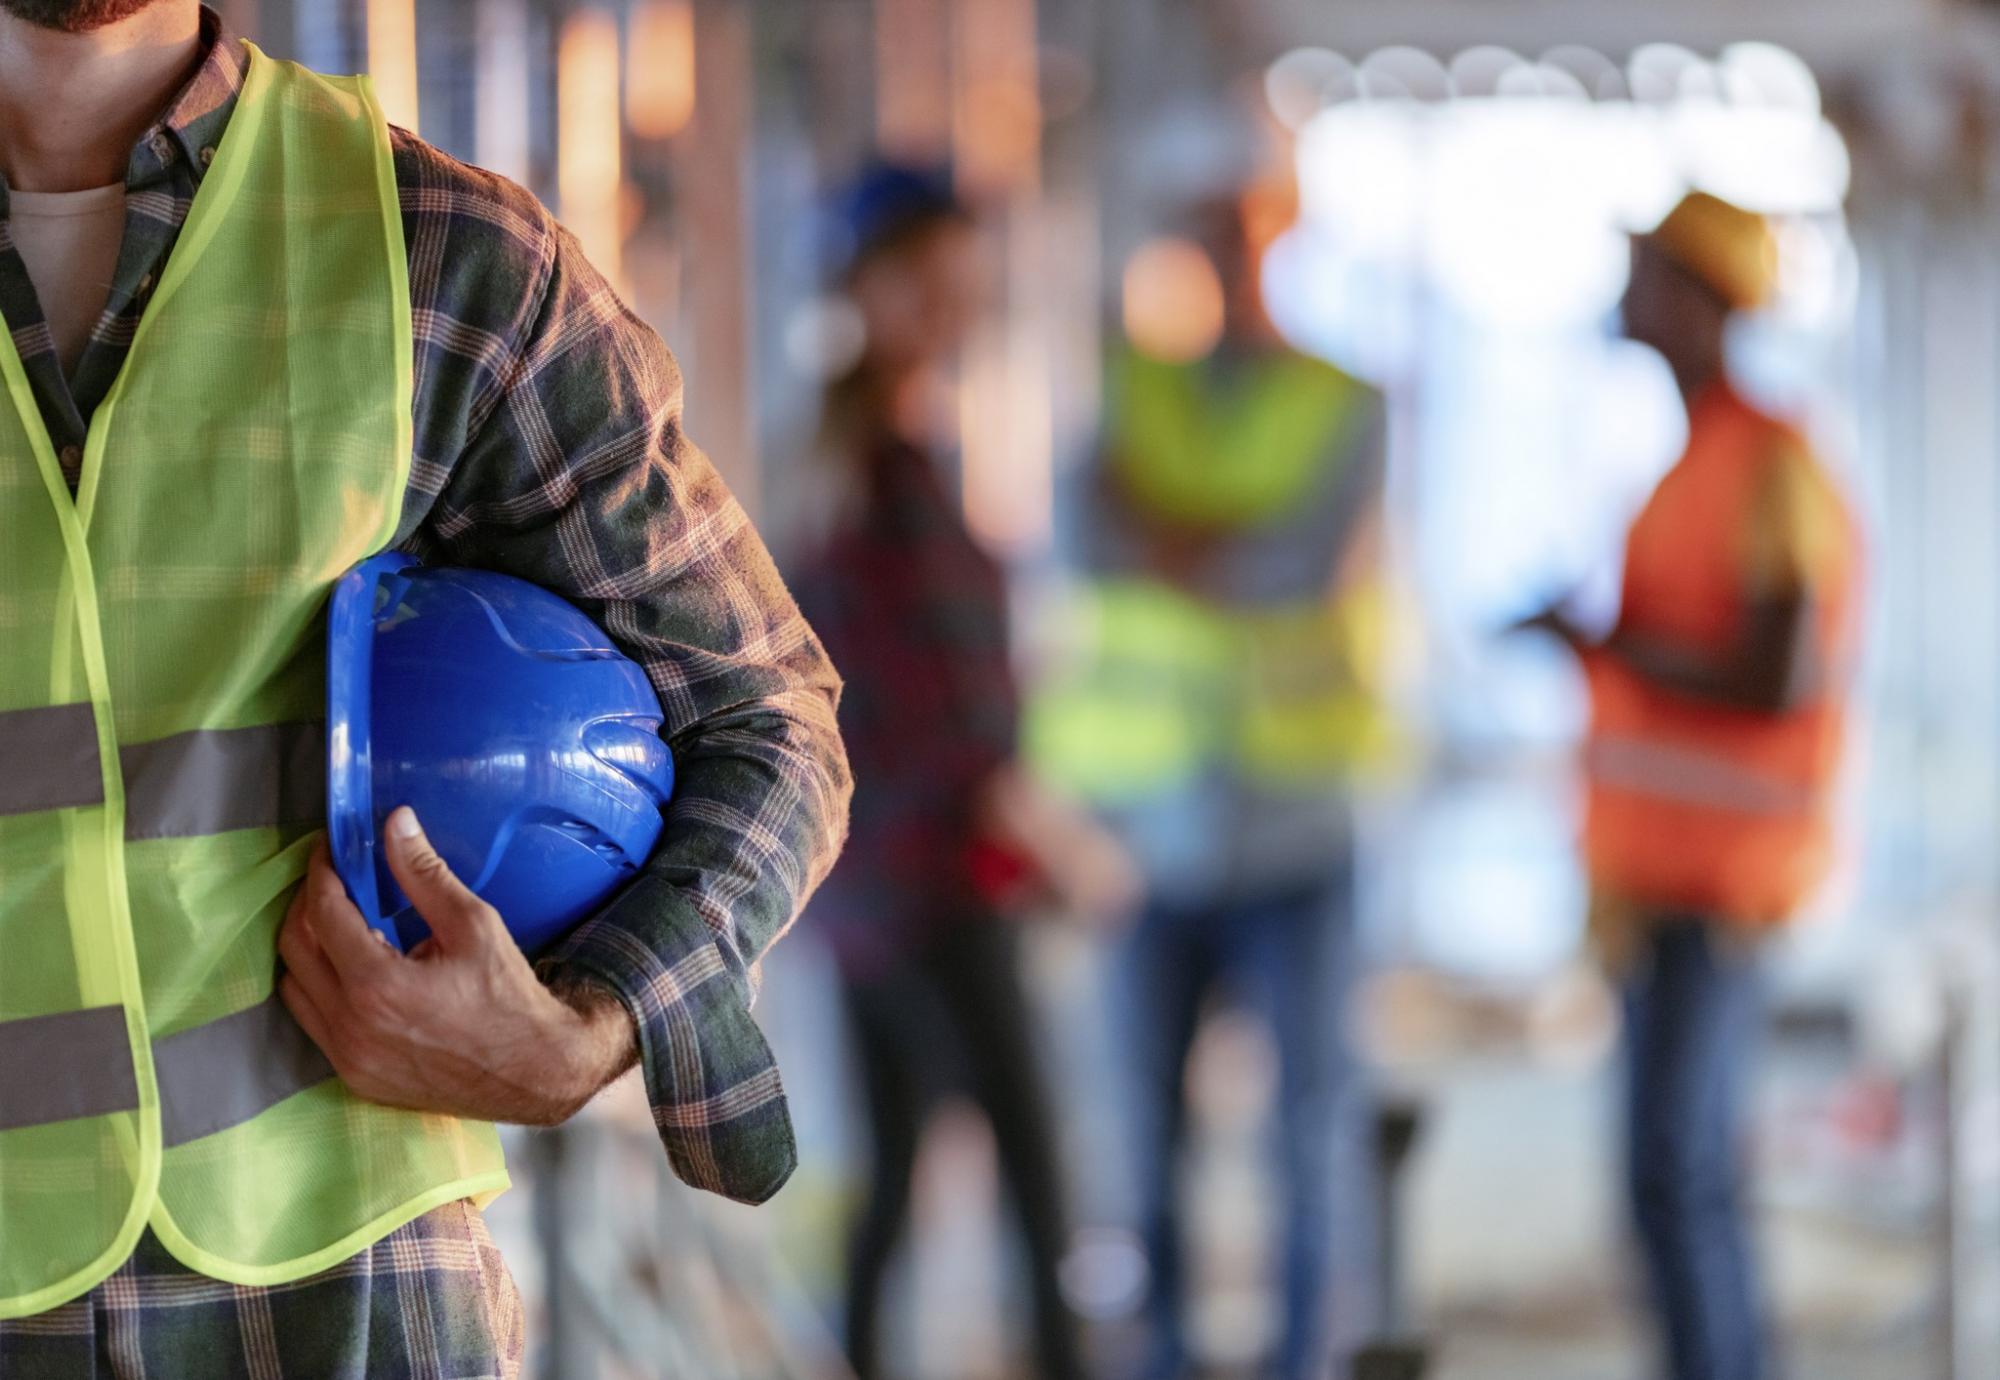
881 201
527 744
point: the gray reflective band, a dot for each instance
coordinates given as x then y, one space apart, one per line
57 1068
192 784
1688 776
222 1074
215 780
218 1075
48 759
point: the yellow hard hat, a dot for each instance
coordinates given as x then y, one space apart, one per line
1730 249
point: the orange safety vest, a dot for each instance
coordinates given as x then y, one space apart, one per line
1692 805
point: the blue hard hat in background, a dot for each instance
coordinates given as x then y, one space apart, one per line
881 201
527 744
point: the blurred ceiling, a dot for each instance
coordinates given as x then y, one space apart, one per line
1832 34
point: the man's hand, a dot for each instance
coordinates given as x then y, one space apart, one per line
1082 869
460 1025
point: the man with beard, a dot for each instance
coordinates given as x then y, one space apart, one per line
253 335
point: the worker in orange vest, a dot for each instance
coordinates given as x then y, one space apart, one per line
1717 716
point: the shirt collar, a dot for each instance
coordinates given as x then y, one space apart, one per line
188 133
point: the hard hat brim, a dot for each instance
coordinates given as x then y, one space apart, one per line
350 786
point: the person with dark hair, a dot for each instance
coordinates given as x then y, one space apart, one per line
947 832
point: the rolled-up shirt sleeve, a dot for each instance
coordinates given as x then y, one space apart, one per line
580 478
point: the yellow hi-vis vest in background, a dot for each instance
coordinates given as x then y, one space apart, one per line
1167 685
161 687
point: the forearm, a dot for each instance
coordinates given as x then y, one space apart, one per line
605 1040
760 814
580 478
1772 667
1684 671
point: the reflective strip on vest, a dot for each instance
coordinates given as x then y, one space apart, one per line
72 1064
1689 776
186 786
212 1077
48 759
220 1075
214 780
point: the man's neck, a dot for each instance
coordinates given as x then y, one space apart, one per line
1696 372
1247 325
73 105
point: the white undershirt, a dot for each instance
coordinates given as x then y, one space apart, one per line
69 241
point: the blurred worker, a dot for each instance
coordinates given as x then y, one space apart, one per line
947 831
253 334
1221 703
1717 719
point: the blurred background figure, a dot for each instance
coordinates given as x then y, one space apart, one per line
950 839
1718 716
1219 706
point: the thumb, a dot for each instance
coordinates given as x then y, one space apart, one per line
456 916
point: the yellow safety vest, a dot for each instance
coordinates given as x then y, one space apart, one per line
1311 678
1235 459
161 685
1166 685
1141 702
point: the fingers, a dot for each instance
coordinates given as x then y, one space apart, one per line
337 972
322 883
306 1011
303 958
342 984
349 1040
335 926
456 916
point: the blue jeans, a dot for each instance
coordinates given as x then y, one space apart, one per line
1288 957
1692 1018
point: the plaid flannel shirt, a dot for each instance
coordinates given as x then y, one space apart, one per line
916 613
432 1299
548 444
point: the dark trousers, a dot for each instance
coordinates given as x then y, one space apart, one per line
1692 1020
1287 957
957 1008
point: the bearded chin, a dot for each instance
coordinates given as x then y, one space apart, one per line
73 16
